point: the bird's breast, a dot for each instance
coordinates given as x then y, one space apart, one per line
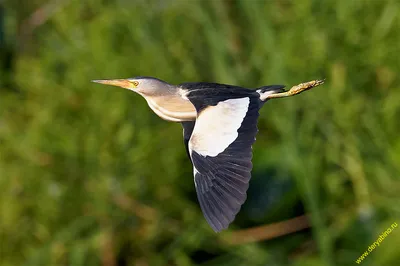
172 108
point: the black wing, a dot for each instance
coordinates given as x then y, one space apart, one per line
221 151
187 132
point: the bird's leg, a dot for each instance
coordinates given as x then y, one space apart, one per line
297 89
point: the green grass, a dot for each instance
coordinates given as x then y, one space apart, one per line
90 176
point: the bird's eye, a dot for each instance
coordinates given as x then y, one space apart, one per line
135 83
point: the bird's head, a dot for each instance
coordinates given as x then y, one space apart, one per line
142 85
164 99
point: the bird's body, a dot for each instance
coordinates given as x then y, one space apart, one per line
220 126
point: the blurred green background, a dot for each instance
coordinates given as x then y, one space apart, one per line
89 175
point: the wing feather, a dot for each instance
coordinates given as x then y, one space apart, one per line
222 176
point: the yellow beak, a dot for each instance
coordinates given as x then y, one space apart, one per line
124 83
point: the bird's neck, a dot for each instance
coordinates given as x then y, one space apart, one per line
172 108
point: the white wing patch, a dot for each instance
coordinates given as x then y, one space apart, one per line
217 126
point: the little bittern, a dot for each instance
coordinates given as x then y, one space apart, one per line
219 128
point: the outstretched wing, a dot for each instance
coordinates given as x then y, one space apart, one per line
187 133
220 148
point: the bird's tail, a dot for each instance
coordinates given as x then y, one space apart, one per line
271 89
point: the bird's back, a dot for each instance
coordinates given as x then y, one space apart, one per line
212 93
206 88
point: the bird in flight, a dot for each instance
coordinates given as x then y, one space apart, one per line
219 128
